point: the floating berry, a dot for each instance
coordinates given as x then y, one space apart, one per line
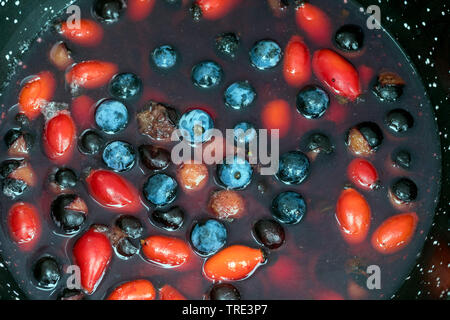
71 294
69 212
138 10
269 233
47 272
111 116
154 158
166 251
108 11
337 74
319 143
394 233
164 57
60 56
277 115
389 87
59 137
364 139
196 126
193 176
239 95
112 191
265 54
18 176
131 226
82 110
288 207
92 253
349 37
91 142
207 74
234 173
157 121
353 216
294 167
215 9
89 33
244 133
363 174
312 102
35 93
224 291
160 189
168 292
119 156
134 290
125 86
24 225
227 44
170 220
402 159
297 63
227 204
91 74
208 237
19 143
403 191
399 120
233 263
314 22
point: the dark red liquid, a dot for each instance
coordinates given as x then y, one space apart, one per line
313 259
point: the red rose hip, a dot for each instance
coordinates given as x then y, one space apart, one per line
314 22
297 62
24 225
36 92
166 251
59 137
134 290
91 74
363 174
89 33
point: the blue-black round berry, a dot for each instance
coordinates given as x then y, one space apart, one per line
244 133
269 233
111 116
399 120
108 10
164 57
349 37
265 54
69 212
170 220
196 126
402 159
389 87
91 142
160 189
208 237
288 207
131 226
154 158
404 190
47 272
239 95
119 156
207 74
319 143
234 173
224 291
312 102
20 140
66 178
125 86
294 167
227 44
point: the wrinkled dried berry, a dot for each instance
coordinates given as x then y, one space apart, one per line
364 139
399 120
66 178
69 212
157 121
404 190
170 220
389 87
131 226
224 291
91 142
269 233
402 159
154 158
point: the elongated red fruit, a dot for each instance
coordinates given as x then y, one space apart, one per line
395 233
216 9
112 191
134 290
277 115
24 225
59 137
166 251
297 62
89 33
363 174
92 254
170 293
91 74
314 22
339 75
36 92
138 10
353 216
233 263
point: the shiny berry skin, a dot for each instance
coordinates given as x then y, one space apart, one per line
90 74
314 22
18 176
111 116
208 237
353 216
269 233
69 212
224 291
170 293
227 44
265 54
59 137
71 294
363 174
215 9
24 225
154 158
234 173
166 251
113 191
164 57
312 102
196 126
108 10
277 115
91 142
244 133
192 176
66 178
126 248
207 74
92 252
130 225
233 263
389 87
170 220
294 167
239 95
125 86
134 290
47 272
89 34
35 93
288 207
402 159
297 63
139 10
227 204
319 143
403 190
339 75
19 143
399 120
60 56
160 189
349 37
364 139
395 233
119 156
